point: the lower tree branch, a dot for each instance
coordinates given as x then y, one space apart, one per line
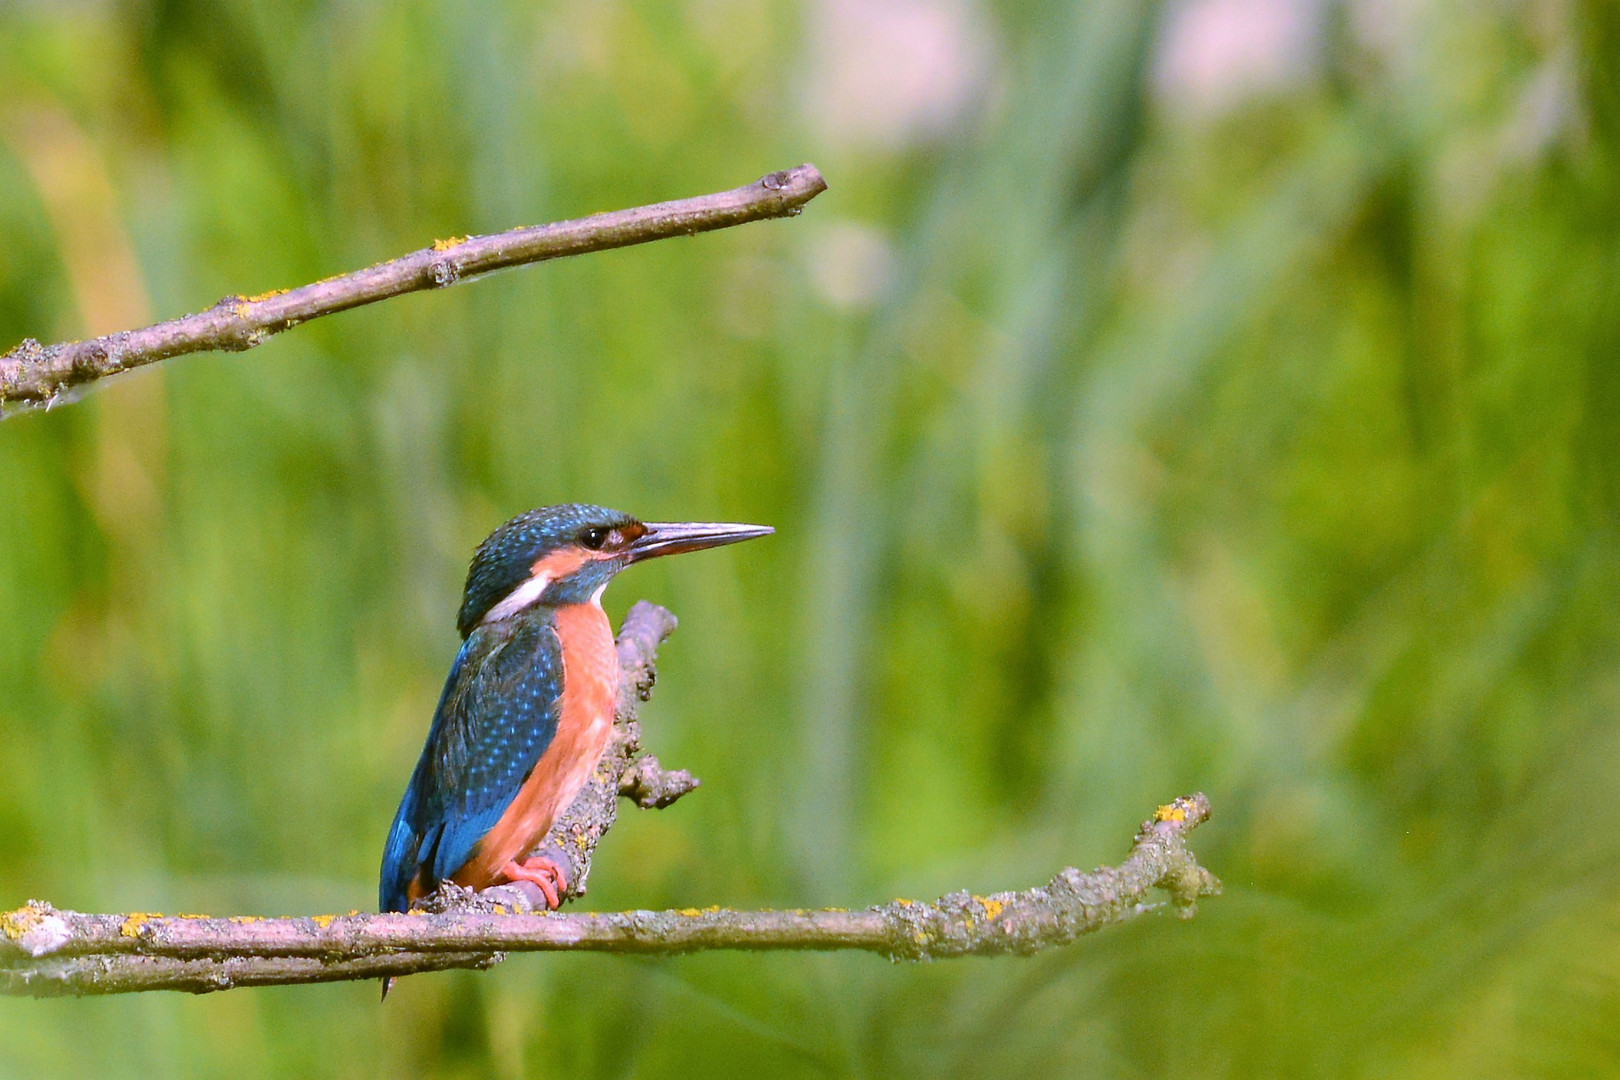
47 952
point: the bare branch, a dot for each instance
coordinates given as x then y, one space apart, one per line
49 952
46 952
32 374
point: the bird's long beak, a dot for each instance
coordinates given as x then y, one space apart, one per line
672 538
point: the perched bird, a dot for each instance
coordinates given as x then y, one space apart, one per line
528 708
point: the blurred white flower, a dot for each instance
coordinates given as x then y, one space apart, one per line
1215 54
851 265
889 73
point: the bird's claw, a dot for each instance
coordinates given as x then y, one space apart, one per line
543 874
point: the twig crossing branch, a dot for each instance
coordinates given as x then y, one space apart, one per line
35 374
47 952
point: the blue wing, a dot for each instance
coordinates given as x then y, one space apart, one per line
497 715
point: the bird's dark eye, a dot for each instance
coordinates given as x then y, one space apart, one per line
594 538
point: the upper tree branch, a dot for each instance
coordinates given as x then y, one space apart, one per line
32 373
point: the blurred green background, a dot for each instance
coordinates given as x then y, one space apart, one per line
1212 395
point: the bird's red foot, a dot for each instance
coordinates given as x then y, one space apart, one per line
546 876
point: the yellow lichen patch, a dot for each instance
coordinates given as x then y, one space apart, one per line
1171 812
322 921
19 922
500 909
446 245
190 915
254 299
247 918
903 902
134 921
992 908
689 912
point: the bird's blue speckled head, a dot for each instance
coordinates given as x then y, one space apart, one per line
562 555
508 559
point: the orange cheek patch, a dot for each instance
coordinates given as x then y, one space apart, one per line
559 564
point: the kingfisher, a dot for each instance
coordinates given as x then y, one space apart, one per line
527 710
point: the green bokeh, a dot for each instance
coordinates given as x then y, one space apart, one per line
1267 446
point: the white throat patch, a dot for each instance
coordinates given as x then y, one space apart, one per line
519 598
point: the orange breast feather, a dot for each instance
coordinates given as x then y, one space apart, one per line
590 692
